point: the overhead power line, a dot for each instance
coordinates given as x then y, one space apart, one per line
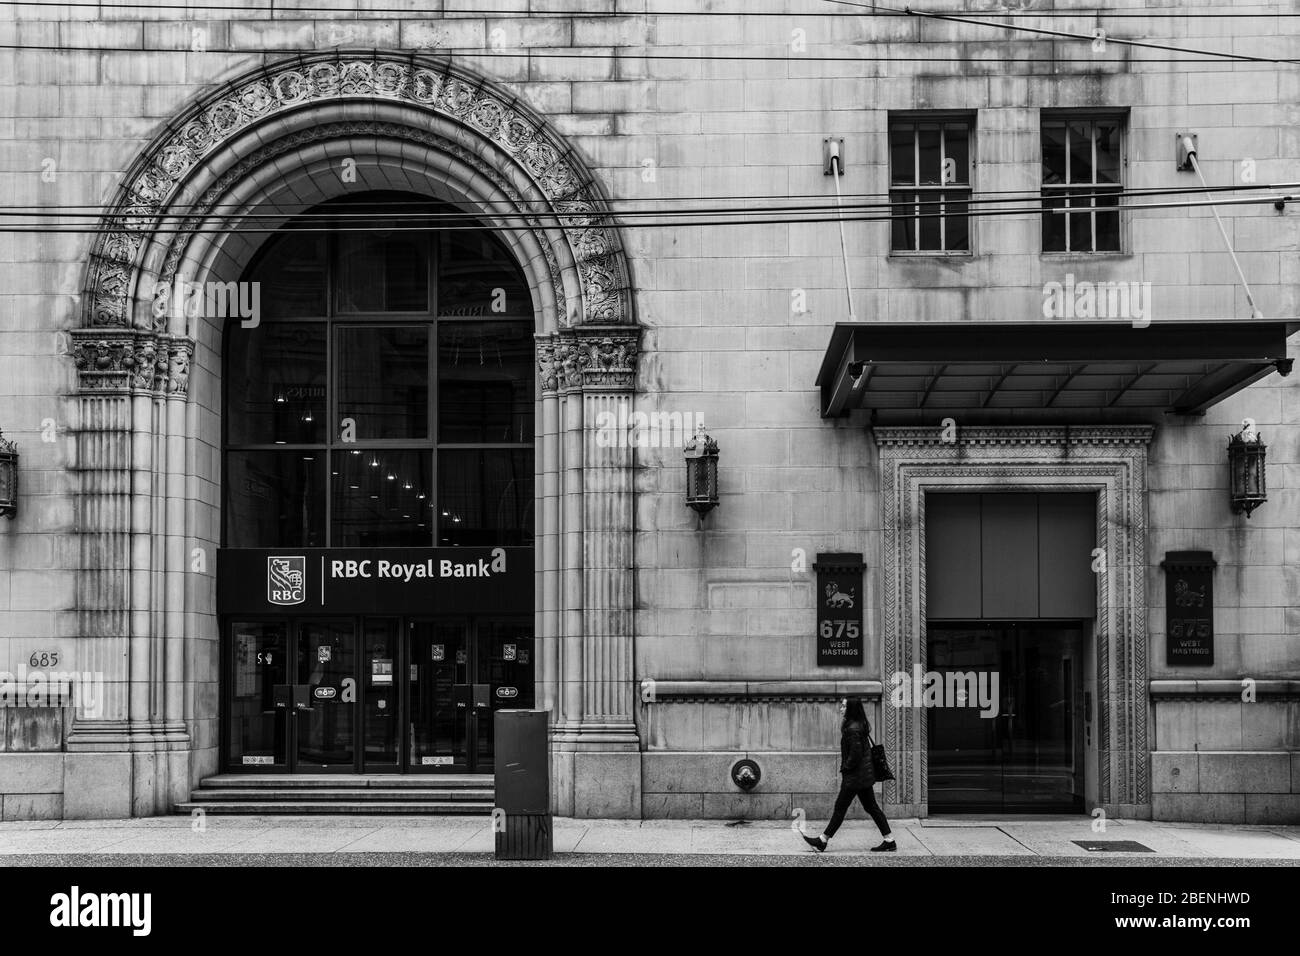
396 209
450 11
637 54
1061 34
99 229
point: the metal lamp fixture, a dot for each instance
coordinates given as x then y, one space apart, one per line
701 454
1246 453
8 478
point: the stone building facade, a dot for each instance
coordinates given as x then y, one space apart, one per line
668 646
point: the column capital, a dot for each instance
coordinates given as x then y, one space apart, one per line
130 362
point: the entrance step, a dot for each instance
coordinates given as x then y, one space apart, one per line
283 794
300 807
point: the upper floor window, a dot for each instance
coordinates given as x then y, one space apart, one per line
930 184
386 398
1083 164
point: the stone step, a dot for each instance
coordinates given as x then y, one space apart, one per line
298 781
352 795
288 808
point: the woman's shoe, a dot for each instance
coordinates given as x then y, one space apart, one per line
817 843
886 846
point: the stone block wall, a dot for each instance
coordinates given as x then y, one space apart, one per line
737 318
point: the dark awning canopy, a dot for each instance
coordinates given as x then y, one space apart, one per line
913 371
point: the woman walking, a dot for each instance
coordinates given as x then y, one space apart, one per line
856 778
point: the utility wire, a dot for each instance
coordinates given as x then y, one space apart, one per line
1213 57
379 210
288 13
1061 34
527 227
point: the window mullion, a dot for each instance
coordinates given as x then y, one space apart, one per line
916 187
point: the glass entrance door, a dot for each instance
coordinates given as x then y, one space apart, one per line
1026 753
325 729
292 701
462 670
372 694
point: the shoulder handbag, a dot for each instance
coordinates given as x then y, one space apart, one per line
879 763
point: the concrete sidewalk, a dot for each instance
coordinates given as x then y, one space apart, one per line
1009 841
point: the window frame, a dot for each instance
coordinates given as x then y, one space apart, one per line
334 321
942 118
1093 117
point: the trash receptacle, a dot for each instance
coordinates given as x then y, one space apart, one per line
522 819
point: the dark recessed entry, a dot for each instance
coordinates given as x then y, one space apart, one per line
1010 555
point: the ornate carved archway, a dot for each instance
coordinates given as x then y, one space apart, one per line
1108 460
271 139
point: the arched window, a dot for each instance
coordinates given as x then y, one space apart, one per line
385 396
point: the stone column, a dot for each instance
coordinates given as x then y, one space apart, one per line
607 764
113 767
547 558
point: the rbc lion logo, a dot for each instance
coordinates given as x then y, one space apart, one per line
837 598
285 580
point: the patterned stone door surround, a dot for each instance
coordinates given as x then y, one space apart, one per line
277 135
1109 460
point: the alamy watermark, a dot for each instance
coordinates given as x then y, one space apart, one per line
946 689
1098 300
50 688
181 298
646 430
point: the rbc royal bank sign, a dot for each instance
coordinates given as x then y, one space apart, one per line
373 581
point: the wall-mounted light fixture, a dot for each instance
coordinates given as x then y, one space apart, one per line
8 478
746 774
1246 454
701 454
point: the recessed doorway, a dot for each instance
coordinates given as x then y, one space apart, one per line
372 694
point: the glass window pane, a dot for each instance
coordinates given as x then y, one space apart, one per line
902 158
904 226
381 498
929 220
1053 153
1081 132
1081 225
956 141
291 276
275 383
385 271
485 497
1053 225
928 145
477 275
485 382
275 499
383 381
956 225
1108 153
1108 224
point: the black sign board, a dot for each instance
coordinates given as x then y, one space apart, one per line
839 601
373 580
1189 608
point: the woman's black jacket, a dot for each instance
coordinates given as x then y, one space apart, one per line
855 757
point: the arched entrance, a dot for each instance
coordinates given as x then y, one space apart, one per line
196 207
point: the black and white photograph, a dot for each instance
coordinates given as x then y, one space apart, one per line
465 454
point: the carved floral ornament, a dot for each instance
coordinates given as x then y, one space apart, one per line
555 172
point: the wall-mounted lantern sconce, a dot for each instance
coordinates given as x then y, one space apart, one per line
8 478
1246 451
701 454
